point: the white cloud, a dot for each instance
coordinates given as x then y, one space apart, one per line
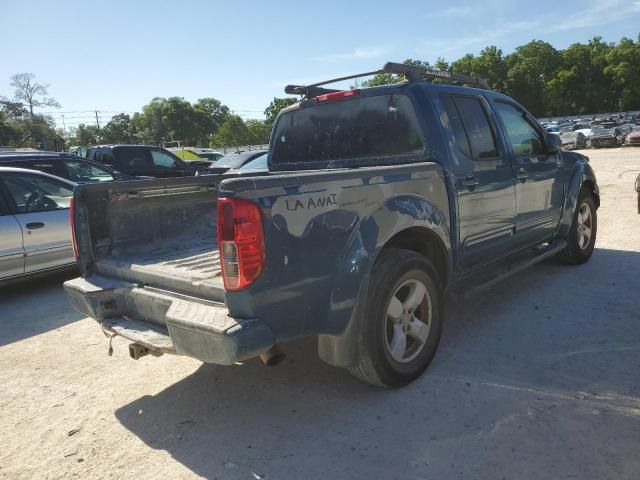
357 54
598 13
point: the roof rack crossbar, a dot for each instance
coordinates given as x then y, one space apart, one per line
411 72
415 74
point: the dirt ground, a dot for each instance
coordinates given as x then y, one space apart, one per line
539 378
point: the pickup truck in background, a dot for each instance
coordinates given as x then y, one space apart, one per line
145 161
377 202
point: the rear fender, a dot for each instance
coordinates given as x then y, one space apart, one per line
350 291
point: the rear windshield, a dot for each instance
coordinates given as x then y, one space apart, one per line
380 126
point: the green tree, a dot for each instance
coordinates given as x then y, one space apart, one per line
623 67
119 130
259 131
210 113
85 135
232 133
277 104
531 66
489 64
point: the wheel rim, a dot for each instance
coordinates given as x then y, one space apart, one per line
408 321
585 226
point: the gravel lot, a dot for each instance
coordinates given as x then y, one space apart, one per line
536 379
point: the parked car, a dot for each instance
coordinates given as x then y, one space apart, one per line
78 150
35 235
233 161
376 203
143 160
70 167
191 154
633 138
573 140
258 164
606 137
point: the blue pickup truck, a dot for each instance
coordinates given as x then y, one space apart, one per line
378 202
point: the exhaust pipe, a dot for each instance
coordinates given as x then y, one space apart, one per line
272 357
138 351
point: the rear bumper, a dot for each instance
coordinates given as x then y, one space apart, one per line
165 322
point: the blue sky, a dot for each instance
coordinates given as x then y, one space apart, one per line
117 55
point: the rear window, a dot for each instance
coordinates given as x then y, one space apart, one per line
380 126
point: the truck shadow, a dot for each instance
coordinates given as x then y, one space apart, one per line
51 310
547 345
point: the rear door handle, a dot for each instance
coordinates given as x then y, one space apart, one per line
470 181
35 225
522 175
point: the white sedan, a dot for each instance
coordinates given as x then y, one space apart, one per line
35 233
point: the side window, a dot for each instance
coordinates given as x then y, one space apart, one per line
162 159
523 137
107 157
454 123
128 159
79 171
476 124
45 166
34 193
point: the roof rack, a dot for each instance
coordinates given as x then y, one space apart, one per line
411 73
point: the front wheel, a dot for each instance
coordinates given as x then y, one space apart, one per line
582 235
402 323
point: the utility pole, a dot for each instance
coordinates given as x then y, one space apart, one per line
64 127
97 122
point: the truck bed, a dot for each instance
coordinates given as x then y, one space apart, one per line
170 245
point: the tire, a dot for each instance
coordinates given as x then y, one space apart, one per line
397 281
579 250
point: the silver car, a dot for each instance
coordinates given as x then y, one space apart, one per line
35 234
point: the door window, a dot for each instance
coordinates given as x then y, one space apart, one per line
454 123
79 171
476 124
34 193
162 159
523 137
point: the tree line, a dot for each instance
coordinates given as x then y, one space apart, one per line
583 78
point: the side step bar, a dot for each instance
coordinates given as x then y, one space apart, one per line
483 281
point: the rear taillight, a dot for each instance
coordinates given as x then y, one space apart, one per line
72 220
332 97
241 242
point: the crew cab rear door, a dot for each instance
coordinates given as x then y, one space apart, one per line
483 178
539 188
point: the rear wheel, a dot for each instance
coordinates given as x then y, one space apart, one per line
403 320
582 235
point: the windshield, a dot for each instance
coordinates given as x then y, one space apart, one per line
259 163
380 126
236 160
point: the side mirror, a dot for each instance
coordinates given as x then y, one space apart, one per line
553 142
